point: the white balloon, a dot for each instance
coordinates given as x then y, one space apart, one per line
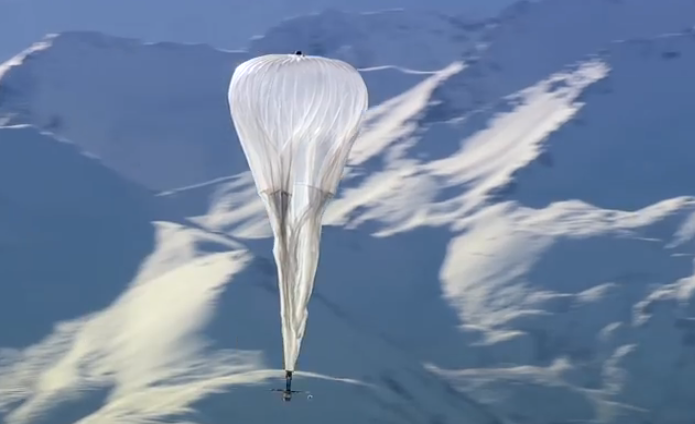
297 118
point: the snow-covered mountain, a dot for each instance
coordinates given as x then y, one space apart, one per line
221 23
47 205
114 316
126 101
410 39
513 241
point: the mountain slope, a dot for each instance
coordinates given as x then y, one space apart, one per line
543 296
627 159
596 302
600 299
532 40
125 102
129 102
127 128
485 260
597 307
53 197
119 317
221 23
407 38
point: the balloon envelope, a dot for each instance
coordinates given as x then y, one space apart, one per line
297 118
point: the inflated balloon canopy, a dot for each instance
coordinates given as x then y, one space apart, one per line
297 118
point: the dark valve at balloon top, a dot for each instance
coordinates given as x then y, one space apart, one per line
299 53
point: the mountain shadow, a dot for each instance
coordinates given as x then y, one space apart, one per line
72 234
